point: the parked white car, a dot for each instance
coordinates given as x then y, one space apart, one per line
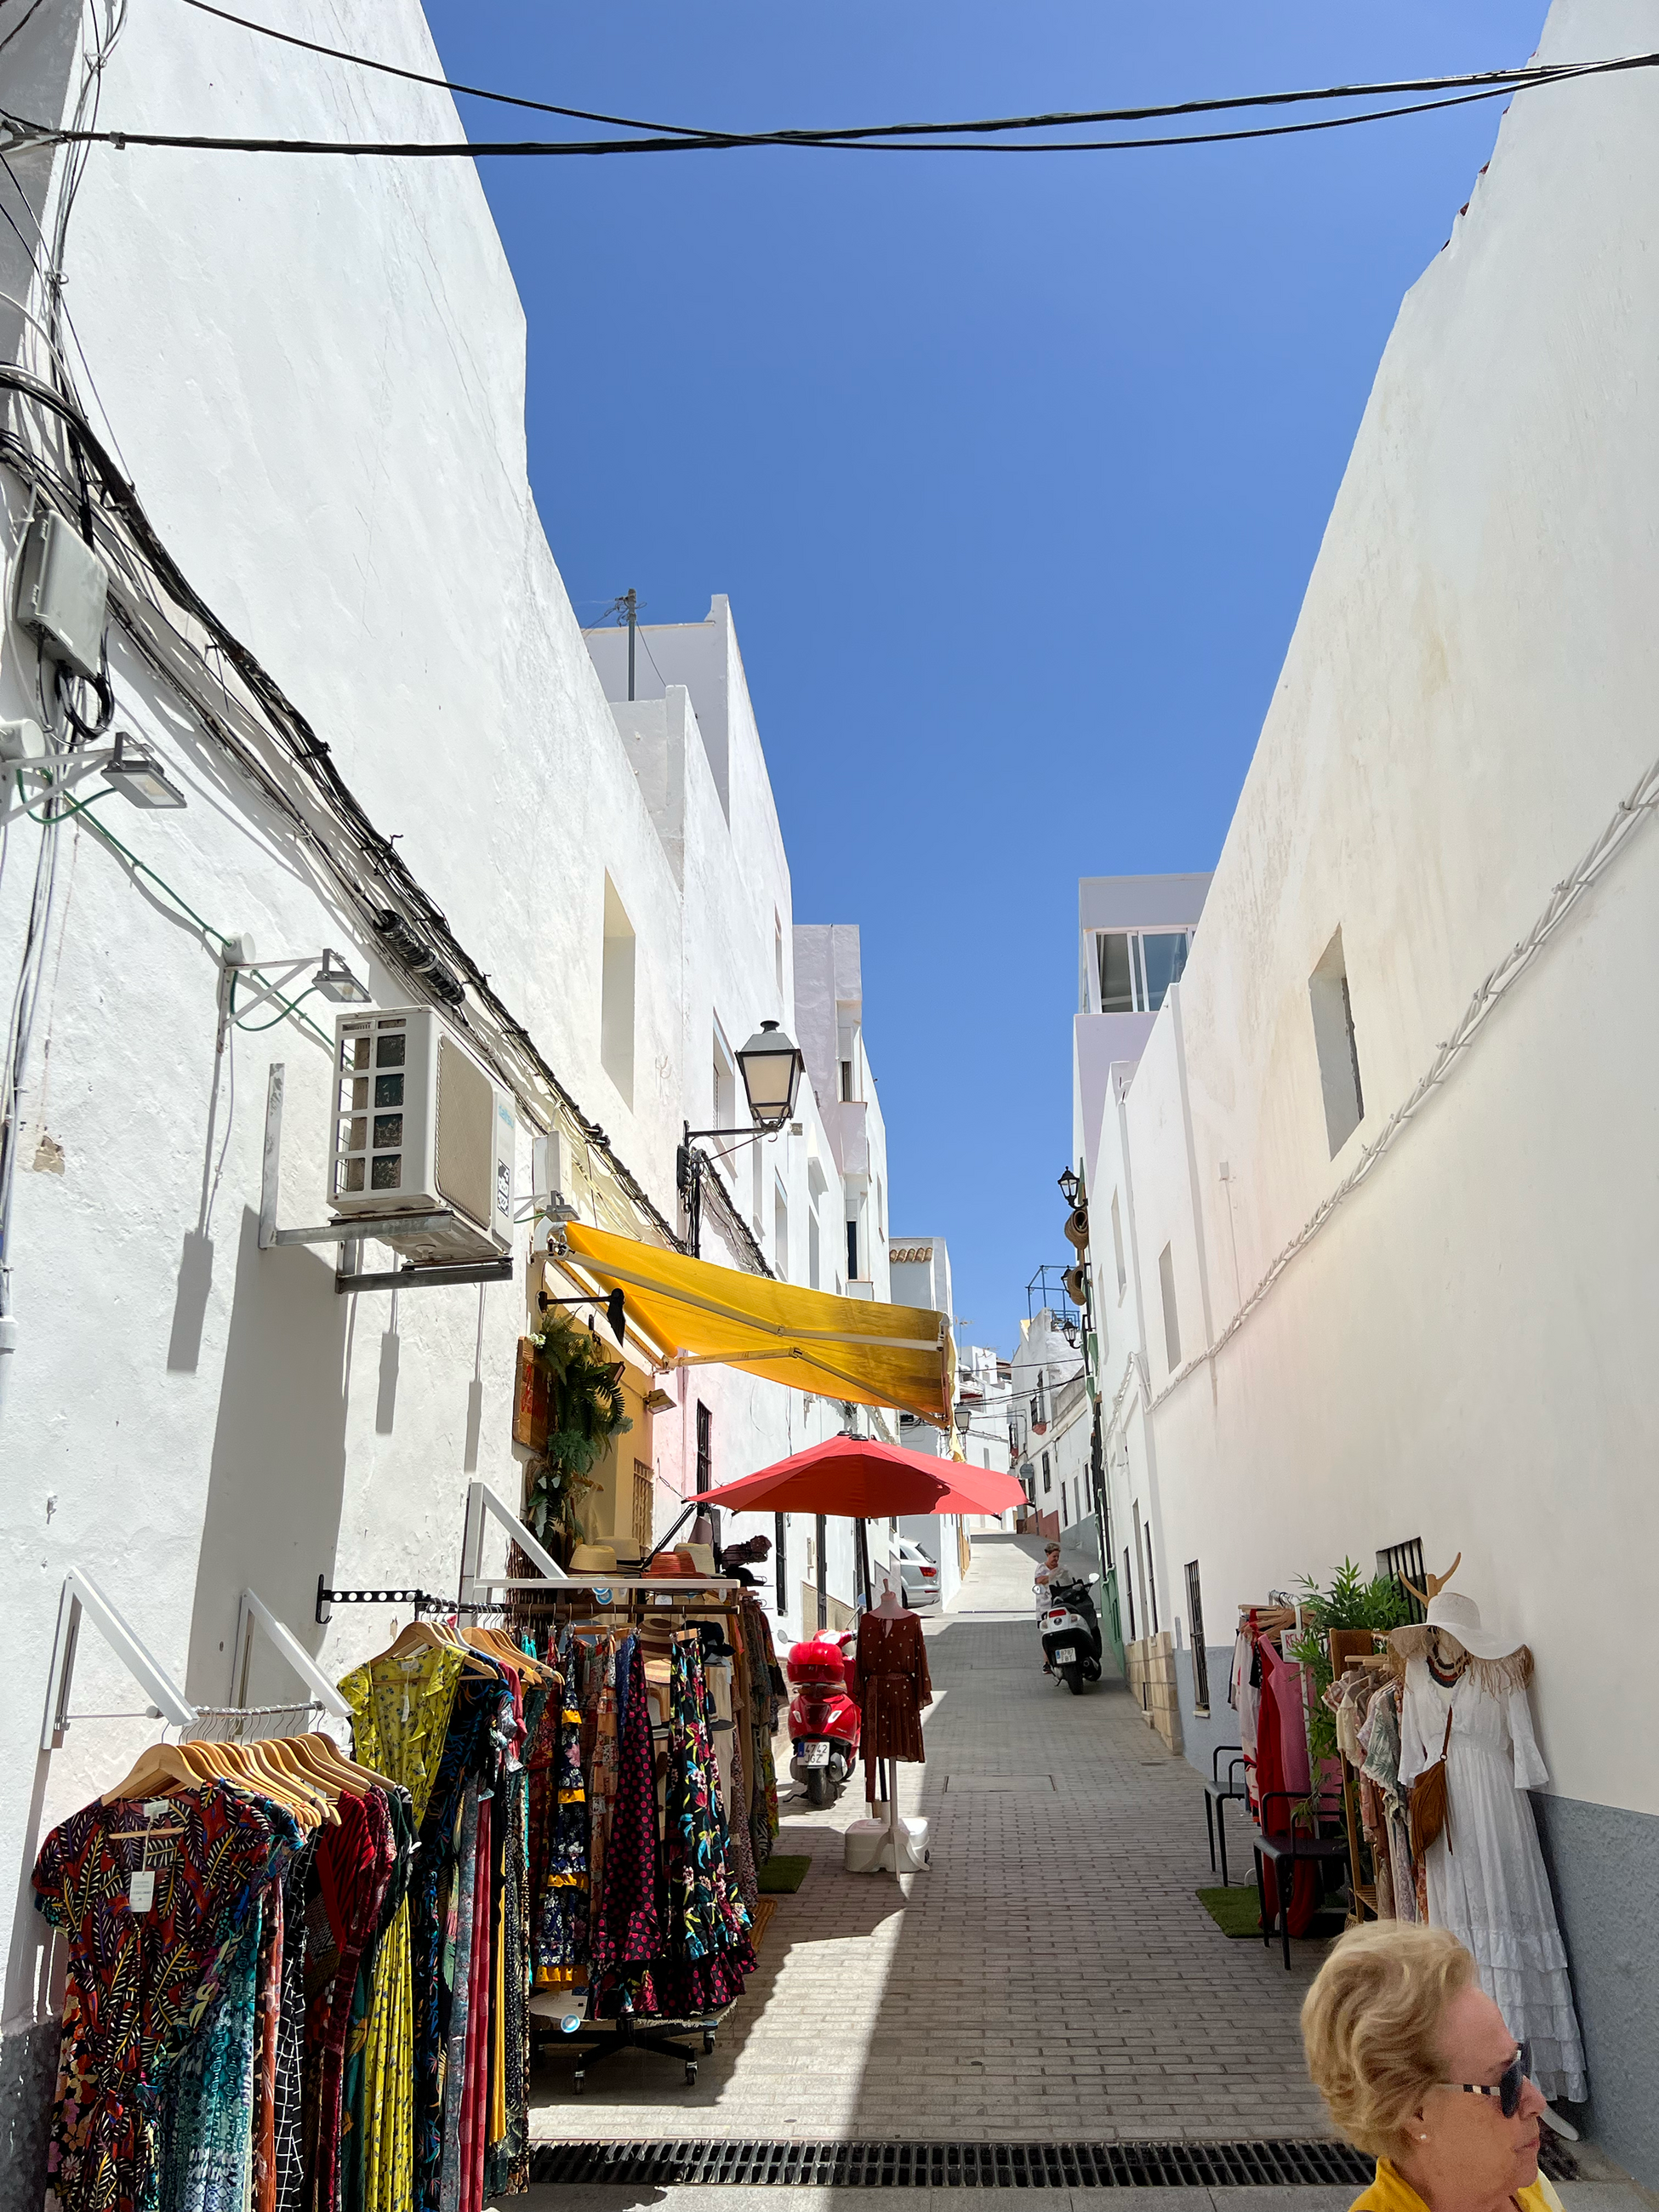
918 1576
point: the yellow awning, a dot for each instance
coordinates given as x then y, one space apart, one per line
700 1314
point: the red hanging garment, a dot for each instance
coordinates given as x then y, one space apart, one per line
1281 1763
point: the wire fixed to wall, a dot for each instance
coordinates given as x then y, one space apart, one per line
247 714
1494 986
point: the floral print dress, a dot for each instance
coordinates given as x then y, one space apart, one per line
142 1975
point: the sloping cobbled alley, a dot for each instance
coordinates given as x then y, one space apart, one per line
1050 1977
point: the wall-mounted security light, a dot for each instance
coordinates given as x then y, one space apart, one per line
334 980
139 776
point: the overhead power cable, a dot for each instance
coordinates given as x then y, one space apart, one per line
898 137
1495 81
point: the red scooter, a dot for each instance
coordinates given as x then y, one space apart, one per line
824 1714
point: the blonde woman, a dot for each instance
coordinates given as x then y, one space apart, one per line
1417 2068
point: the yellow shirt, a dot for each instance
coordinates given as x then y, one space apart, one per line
1391 2193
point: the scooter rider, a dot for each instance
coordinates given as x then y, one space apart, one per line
1047 1575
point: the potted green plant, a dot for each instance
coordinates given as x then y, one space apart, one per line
1350 1602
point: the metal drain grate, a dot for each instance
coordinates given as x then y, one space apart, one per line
957 2166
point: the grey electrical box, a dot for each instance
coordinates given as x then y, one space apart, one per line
62 586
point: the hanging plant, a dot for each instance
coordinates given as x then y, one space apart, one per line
585 1411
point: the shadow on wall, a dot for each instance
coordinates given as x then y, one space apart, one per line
278 1475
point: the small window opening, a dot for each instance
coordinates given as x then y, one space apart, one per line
1337 1047
1201 1657
705 1447
1405 1563
616 996
1171 1311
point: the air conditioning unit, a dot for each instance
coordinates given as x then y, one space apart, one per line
420 1128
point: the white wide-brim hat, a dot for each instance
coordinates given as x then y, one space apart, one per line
1458 1617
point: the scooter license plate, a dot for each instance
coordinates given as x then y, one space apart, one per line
816 1755
1064 1655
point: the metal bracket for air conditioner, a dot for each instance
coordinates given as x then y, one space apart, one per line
81 1596
475 1586
252 1613
352 1236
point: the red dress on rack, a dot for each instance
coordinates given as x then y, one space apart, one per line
1278 1767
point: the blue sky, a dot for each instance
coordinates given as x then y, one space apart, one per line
1014 468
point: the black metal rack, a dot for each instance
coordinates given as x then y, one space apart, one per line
422 1600
603 2039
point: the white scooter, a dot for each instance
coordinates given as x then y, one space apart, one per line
1071 1633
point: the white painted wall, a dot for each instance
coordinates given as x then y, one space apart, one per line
1462 1353
314 372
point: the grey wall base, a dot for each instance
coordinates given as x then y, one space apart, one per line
1201 1735
1604 1869
28 2074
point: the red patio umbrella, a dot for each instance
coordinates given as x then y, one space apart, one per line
869 1481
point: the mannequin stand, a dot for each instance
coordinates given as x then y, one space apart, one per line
885 1844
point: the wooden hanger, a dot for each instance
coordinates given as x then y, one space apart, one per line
496 1645
279 1753
161 1765
424 1635
242 1766
323 1755
263 1759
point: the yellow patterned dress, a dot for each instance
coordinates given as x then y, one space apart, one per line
400 1712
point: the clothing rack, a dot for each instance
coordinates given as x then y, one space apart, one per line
252 1614
627 1603
82 1597
1349 1646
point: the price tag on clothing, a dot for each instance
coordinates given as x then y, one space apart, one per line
141 1890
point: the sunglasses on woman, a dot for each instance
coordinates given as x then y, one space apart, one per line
1508 2087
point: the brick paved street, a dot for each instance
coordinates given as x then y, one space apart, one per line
1051 1975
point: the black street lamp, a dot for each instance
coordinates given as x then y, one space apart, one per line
1068 1185
771 1065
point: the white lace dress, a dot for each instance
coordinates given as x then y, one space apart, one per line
1486 1876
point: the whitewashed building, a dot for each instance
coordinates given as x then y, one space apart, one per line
339 636
1048 1362
1375 1228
